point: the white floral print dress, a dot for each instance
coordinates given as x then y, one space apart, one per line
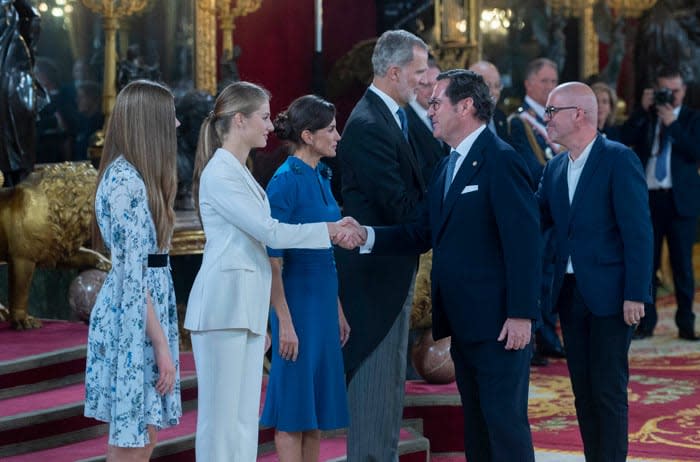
121 371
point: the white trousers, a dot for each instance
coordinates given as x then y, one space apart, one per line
229 367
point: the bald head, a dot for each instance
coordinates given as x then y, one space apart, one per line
491 76
581 95
572 119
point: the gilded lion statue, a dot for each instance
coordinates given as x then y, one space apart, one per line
44 221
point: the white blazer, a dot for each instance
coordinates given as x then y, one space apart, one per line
232 288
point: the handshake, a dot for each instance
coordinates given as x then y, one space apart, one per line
347 233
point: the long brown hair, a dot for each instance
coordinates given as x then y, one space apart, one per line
239 97
142 130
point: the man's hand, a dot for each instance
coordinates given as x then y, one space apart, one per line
516 332
633 312
350 234
666 115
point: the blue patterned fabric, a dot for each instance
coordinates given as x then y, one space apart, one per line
308 393
121 371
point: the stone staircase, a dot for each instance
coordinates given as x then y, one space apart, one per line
41 407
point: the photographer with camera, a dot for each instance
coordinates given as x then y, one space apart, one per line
666 136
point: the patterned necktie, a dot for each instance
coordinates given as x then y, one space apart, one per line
404 121
661 171
454 155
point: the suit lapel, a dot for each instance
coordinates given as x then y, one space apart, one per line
588 172
248 179
406 148
561 186
469 168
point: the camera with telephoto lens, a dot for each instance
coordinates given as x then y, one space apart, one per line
663 96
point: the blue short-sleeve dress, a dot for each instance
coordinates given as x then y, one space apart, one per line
309 393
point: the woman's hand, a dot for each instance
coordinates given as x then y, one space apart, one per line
289 343
344 326
166 370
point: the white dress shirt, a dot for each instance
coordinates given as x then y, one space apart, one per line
573 174
537 107
462 149
422 114
390 103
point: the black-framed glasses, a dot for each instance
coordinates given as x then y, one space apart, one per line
549 111
434 104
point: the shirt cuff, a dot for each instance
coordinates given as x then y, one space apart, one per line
369 243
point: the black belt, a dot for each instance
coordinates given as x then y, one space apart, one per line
570 278
157 260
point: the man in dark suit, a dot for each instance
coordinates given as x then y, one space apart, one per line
382 184
482 222
498 123
528 136
666 136
594 198
428 149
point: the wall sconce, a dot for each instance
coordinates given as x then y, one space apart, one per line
456 22
456 33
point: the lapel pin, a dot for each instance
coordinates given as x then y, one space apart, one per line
474 164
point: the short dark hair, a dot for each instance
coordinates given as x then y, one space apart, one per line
468 84
668 73
534 66
309 112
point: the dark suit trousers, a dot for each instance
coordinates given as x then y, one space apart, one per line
546 328
493 385
596 353
679 232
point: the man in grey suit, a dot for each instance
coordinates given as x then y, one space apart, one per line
382 184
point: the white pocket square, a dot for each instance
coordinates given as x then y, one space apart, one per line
470 188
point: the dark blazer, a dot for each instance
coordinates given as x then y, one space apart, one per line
606 230
534 155
381 185
428 149
486 243
500 120
639 132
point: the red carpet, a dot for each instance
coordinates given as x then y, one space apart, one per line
55 335
664 398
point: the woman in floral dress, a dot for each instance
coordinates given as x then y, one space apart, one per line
132 371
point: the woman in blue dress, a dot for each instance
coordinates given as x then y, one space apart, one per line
306 389
131 377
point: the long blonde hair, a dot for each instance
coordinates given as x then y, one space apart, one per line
142 130
239 97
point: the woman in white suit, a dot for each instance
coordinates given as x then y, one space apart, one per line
229 302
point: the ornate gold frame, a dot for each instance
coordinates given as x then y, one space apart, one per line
205 45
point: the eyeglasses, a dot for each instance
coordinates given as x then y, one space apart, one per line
549 111
434 104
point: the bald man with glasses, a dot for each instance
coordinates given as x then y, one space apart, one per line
593 197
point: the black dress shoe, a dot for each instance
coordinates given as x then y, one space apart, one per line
552 352
538 360
688 335
641 334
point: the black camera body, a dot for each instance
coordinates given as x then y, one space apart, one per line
663 96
